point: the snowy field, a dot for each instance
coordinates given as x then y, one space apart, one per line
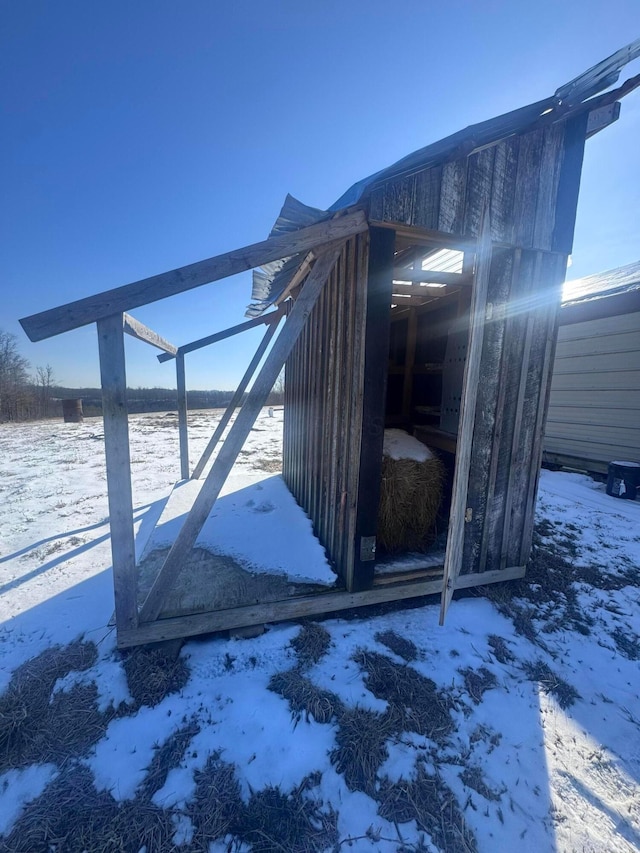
516 727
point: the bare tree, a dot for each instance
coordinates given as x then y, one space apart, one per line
44 382
16 397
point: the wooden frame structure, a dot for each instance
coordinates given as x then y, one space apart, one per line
504 194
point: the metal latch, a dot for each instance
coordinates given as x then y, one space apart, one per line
468 514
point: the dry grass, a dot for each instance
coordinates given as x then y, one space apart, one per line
217 808
361 746
472 777
304 697
424 709
40 726
410 497
398 645
431 803
564 692
72 817
167 757
478 681
275 822
154 672
311 644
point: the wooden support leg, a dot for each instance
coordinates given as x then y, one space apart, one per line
116 444
239 432
182 417
237 397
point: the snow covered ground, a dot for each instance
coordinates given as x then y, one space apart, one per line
534 739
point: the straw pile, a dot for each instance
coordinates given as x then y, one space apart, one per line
410 495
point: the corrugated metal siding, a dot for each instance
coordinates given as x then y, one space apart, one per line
323 407
594 413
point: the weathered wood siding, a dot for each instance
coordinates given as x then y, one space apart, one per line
594 412
323 411
529 183
517 354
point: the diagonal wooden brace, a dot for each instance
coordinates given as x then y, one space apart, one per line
238 433
237 397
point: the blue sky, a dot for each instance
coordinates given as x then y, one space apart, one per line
138 137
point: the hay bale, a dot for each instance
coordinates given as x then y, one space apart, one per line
410 494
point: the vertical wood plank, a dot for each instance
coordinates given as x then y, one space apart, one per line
376 358
183 432
452 196
555 271
455 538
118 459
569 185
549 175
526 189
478 191
489 412
505 167
427 200
410 359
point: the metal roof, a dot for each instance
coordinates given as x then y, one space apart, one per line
270 282
602 285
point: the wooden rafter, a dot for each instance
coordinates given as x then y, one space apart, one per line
141 332
84 311
222 336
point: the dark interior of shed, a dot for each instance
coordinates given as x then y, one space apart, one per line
429 333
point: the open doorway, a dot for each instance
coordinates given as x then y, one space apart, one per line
428 342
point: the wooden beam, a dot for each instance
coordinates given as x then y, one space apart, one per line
92 308
415 235
227 333
238 433
422 290
116 446
194 624
138 330
431 277
602 117
458 516
183 432
236 399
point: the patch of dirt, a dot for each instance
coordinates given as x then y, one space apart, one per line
210 581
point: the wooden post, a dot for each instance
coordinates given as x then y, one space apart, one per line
376 361
238 433
183 432
235 400
116 445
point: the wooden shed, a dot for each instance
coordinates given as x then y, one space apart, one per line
427 297
594 408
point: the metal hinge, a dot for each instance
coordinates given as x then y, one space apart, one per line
367 548
468 514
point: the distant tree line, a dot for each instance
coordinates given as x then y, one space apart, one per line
27 395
